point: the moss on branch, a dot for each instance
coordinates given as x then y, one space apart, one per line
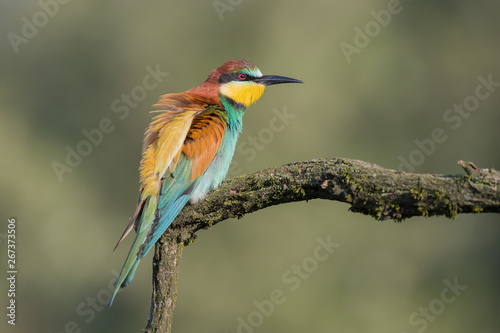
368 189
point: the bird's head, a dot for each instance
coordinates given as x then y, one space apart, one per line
241 83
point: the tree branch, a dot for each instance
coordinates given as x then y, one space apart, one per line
368 188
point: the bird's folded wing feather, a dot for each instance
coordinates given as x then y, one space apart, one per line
180 143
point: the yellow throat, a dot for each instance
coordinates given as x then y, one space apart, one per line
245 93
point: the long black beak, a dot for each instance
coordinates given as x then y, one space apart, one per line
269 80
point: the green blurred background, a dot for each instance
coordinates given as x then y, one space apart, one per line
64 78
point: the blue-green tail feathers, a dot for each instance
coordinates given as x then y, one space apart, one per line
127 273
156 215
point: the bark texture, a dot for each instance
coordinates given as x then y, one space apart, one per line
168 252
368 189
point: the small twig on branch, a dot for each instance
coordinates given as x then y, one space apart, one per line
369 189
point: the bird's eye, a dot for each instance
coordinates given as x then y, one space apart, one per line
242 76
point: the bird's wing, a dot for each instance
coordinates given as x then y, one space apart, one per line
180 143
201 143
162 142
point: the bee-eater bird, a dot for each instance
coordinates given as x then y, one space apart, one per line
187 151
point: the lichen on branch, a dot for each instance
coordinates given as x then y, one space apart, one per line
368 189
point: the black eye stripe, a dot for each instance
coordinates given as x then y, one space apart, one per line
228 77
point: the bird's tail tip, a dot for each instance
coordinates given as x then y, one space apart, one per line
124 279
117 288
